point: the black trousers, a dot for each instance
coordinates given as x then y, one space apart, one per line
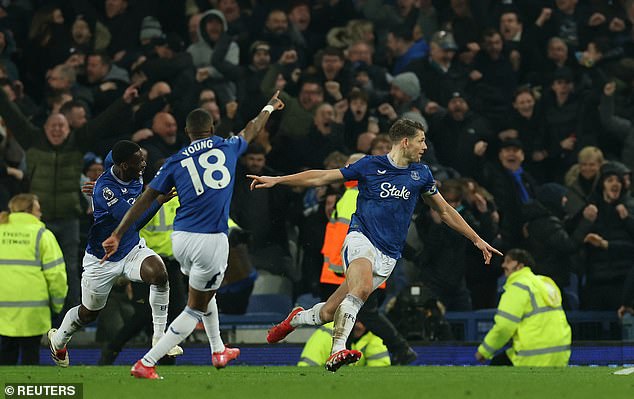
374 321
11 347
501 360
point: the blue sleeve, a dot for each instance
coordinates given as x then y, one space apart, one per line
164 179
429 188
357 170
108 198
238 143
147 215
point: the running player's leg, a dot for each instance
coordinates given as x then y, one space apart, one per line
201 257
181 327
96 283
323 312
359 281
154 273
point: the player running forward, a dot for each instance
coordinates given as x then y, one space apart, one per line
115 192
203 174
389 188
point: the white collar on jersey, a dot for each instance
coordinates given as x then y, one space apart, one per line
389 158
117 179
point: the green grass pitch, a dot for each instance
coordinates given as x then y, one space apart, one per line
349 382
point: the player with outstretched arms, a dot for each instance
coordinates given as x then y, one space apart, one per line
203 175
389 188
114 193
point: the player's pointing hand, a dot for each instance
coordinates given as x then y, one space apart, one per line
487 250
111 245
276 102
262 181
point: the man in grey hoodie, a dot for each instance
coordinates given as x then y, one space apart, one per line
212 25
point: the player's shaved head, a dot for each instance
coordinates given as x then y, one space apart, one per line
199 123
123 150
404 128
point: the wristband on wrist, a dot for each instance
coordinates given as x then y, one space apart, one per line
269 108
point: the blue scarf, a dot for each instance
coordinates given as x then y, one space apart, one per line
517 176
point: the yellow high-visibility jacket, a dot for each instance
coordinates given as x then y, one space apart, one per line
530 314
32 276
317 349
157 232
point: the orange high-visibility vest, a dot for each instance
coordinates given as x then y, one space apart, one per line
336 230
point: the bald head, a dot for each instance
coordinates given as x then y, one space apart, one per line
199 124
164 125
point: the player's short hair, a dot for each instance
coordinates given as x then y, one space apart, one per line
404 128
522 256
123 150
199 121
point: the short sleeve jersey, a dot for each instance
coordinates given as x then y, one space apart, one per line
387 197
111 200
203 174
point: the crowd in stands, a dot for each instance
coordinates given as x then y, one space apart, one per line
528 107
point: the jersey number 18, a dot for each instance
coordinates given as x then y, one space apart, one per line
209 169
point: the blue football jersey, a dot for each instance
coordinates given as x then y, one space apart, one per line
203 174
111 200
387 197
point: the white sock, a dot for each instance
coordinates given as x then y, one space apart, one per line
70 325
308 317
212 327
159 302
180 329
345 316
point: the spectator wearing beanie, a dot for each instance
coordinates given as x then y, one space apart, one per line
607 227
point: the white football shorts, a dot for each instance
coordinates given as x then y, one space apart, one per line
203 257
357 245
98 279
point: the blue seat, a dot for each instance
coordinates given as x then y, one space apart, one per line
307 301
273 303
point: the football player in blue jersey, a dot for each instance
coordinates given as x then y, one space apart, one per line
115 192
389 188
203 175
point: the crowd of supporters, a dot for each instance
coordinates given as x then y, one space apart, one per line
528 107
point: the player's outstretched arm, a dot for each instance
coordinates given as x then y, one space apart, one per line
256 124
111 244
452 218
308 178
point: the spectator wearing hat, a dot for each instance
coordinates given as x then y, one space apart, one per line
439 74
150 28
403 48
511 187
405 95
607 227
247 78
460 136
547 238
210 29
